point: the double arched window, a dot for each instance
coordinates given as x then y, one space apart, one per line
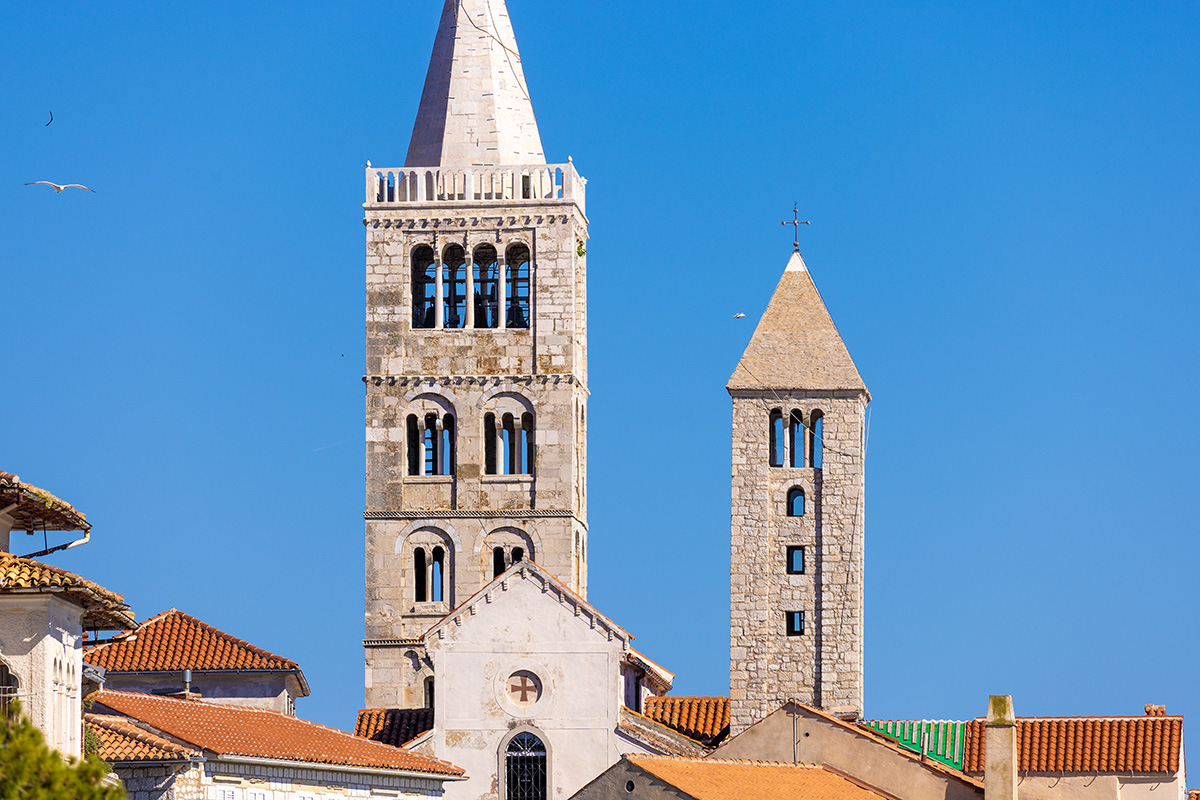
795 442
508 443
525 768
431 443
429 574
482 291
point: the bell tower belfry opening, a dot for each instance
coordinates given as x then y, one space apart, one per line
476 374
796 524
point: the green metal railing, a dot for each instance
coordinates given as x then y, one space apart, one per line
938 740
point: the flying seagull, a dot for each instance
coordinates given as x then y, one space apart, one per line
738 315
58 188
51 119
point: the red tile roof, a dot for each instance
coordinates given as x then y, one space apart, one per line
258 733
393 726
103 610
174 641
122 741
37 508
719 779
705 719
1087 744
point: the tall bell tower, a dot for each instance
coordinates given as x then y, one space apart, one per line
796 572
476 374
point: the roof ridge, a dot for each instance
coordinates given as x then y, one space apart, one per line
742 761
230 636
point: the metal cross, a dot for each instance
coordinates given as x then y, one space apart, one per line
796 223
525 687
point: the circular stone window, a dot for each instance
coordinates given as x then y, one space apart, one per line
523 688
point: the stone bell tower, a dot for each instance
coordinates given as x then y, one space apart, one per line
796 572
476 374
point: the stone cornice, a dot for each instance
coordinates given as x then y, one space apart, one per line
473 380
497 513
422 221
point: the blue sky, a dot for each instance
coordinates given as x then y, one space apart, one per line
1004 201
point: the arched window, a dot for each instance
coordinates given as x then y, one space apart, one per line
816 430
508 437
413 429
795 502
437 576
420 587
432 445
498 565
424 288
8 687
777 440
454 287
527 444
486 273
517 258
796 438
489 444
518 554
448 447
525 768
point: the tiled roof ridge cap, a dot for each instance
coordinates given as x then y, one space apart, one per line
724 697
742 761
235 709
523 569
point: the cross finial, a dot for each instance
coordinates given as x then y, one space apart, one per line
796 223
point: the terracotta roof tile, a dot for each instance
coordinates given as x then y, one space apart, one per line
393 726
705 719
37 507
1087 744
717 779
174 641
122 741
103 609
258 733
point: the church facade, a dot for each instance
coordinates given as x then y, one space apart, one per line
480 646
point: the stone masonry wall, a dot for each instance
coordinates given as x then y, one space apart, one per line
824 665
469 372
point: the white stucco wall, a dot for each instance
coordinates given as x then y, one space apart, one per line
41 641
270 690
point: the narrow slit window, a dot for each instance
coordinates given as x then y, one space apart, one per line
437 575
527 444
796 438
517 258
448 445
497 561
414 445
795 502
489 443
424 288
509 440
795 560
795 623
431 445
777 441
420 589
487 287
816 434
429 692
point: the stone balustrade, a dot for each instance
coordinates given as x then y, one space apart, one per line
541 183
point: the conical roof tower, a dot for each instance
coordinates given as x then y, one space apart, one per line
475 108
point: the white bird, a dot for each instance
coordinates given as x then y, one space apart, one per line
738 315
58 188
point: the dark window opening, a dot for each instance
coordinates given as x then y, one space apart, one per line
509 439
414 445
525 768
816 432
795 502
527 444
8 687
777 440
429 692
420 589
454 287
448 445
437 575
796 438
486 273
489 443
432 441
518 555
517 258
497 562
795 623
424 288
795 563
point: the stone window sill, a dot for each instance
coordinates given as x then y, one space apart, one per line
429 479
507 478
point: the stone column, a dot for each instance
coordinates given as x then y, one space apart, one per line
439 313
469 322
1000 750
502 291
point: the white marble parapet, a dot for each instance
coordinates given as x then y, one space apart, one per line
534 184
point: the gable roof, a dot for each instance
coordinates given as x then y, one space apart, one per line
241 731
393 726
1087 744
38 508
536 574
103 609
719 779
120 741
705 719
796 345
174 641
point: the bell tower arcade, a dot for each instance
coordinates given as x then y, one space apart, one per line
476 374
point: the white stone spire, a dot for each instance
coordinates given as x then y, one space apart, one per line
475 109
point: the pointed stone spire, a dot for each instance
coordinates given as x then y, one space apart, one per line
475 109
796 345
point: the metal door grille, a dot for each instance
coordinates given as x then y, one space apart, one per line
525 768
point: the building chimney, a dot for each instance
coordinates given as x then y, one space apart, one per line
1000 750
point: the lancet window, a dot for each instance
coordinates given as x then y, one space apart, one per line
778 443
508 443
431 574
816 431
791 441
505 557
517 258
424 288
486 274
431 443
454 287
